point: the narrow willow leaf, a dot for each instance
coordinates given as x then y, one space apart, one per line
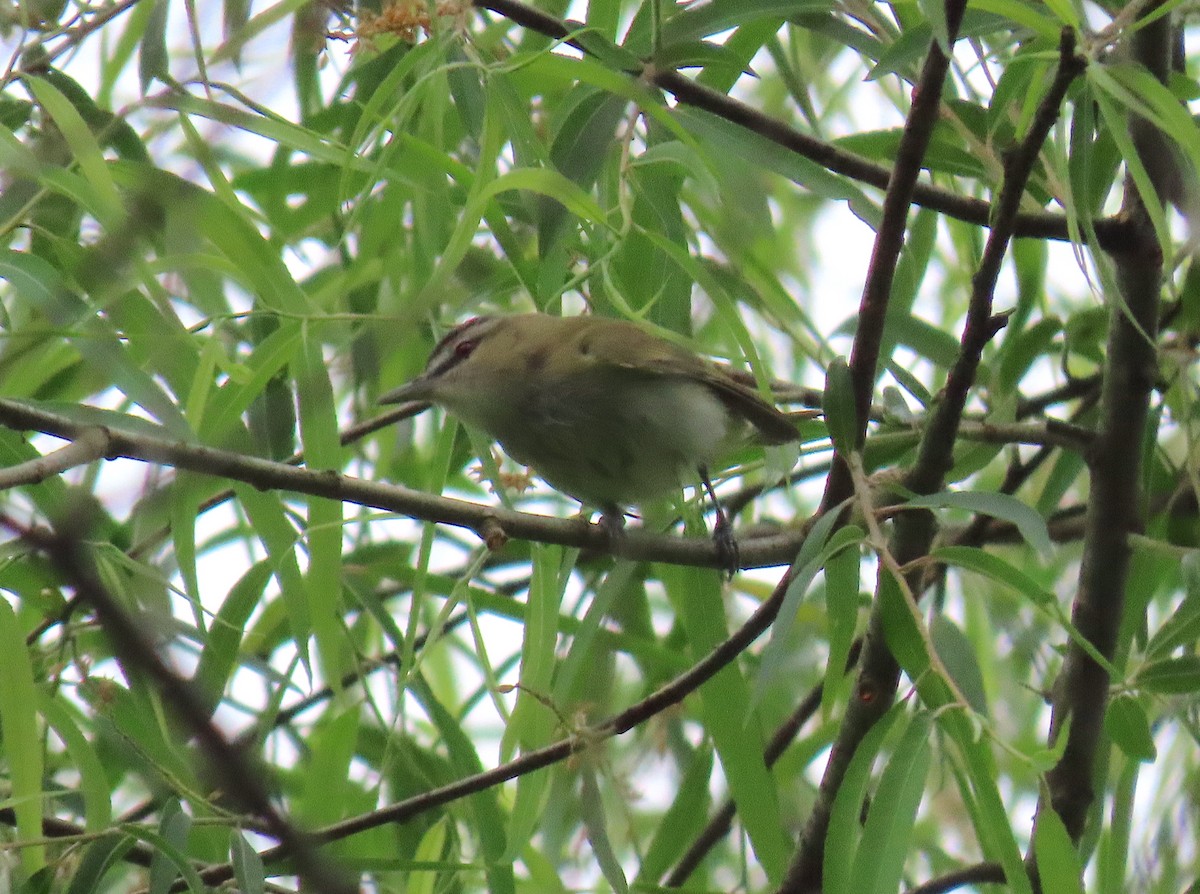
1003 506
1126 723
247 864
879 864
1171 676
845 836
841 414
22 738
591 808
1058 862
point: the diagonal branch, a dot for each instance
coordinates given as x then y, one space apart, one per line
889 242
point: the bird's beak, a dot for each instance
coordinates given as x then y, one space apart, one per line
417 389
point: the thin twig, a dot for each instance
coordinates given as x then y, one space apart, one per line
87 449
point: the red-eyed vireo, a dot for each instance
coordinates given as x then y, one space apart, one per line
603 410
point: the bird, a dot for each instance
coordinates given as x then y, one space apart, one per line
602 409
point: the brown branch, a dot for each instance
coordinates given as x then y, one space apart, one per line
149 541
889 242
493 523
70 37
1080 694
140 854
936 454
1075 388
87 449
878 670
981 529
980 873
351 435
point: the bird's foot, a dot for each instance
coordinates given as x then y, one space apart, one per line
612 521
728 554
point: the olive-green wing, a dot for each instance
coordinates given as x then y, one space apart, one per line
773 425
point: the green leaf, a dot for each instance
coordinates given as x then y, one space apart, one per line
579 150
328 792
591 808
219 657
1126 723
489 822
22 738
1022 349
94 784
322 450
275 532
1182 628
153 59
102 348
904 54
702 20
533 722
983 562
110 130
1058 862
681 823
602 49
957 654
935 12
172 857
1170 676
99 857
839 407
85 150
844 840
431 850
173 828
842 571
926 339
1027 15
700 54
247 865
717 135
739 741
1003 506
823 542
1115 102
879 865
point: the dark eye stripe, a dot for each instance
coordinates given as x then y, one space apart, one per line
457 344
458 330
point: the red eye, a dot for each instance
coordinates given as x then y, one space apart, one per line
464 348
